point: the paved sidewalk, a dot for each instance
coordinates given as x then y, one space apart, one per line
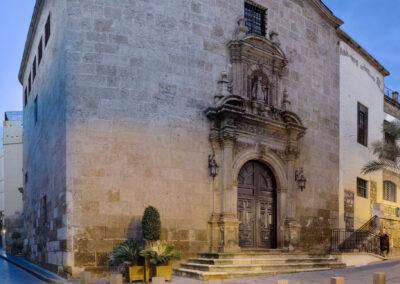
11 274
28 268
356 275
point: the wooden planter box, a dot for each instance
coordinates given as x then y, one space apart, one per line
138 273
164 271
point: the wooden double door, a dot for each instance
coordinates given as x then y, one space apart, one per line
257 206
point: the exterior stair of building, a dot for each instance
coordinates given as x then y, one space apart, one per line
364 239
209 266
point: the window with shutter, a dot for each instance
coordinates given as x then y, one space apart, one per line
389 191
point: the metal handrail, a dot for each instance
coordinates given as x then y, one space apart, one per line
363 239
370 224
350 241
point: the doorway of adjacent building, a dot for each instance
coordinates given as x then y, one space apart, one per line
257 206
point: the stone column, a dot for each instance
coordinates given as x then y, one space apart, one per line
292 228
282 204
228 222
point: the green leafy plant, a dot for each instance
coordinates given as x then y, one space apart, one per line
160 253
127 252
151 224
387 152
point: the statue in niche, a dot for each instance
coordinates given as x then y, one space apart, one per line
259 91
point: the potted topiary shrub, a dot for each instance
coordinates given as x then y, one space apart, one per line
160 255
151 228
151 225
126 256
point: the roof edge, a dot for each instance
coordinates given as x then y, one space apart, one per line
364 53
327 13
29 40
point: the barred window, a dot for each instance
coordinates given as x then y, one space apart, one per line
389 191
254 19
362 187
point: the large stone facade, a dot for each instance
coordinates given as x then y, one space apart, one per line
123 88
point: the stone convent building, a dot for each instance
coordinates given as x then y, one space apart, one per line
222 114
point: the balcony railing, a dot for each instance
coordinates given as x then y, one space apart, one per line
392 96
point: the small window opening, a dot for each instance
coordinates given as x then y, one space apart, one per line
47 30
34 69
362 188
40 51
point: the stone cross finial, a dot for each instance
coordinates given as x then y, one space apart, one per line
241 29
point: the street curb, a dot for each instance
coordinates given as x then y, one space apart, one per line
35 273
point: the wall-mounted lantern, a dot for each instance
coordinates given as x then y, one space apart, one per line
300 178
212 166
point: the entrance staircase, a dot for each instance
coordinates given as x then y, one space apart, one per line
208 266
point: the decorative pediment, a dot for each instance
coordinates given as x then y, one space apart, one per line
258 49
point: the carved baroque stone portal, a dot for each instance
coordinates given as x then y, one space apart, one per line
251 120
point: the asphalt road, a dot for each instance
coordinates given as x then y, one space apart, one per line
11 274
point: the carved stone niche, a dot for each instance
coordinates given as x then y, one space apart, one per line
258 65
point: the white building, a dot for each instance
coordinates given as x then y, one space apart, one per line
13 177
361 119
365 200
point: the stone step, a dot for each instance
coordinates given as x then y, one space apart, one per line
259 260
261 254
257 267
206 275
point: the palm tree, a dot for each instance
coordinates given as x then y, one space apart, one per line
387 151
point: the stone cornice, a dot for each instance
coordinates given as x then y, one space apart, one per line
365 54
327 13
29 40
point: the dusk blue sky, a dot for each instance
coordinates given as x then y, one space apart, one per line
373 24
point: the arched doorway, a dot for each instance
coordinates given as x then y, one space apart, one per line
257 206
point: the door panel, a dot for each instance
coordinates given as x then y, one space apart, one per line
256 206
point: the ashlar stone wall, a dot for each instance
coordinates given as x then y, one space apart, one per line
140 75
132 132
44 144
